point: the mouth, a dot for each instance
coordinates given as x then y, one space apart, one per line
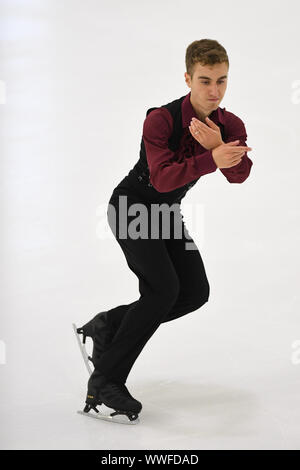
217 99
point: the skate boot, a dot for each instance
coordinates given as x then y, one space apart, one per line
99 331
102 390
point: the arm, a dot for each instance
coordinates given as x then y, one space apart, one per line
166 174
240 172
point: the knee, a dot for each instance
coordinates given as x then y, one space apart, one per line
168 293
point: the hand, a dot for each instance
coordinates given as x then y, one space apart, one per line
230 154
209 136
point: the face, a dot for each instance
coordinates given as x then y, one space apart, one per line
208 82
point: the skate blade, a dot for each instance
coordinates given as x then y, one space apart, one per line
121 419
82 350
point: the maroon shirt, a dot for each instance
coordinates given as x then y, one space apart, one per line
170 170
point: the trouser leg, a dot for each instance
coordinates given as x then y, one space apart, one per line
172 283
159 288
194 286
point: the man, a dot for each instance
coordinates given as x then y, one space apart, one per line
182 141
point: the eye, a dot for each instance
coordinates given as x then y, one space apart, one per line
221 81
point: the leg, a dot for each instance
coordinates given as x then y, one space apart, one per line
159 288
172 282
194 285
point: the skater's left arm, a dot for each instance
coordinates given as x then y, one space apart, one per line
235 130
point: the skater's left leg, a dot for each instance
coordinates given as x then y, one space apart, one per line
194 286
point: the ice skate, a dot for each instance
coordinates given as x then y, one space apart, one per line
97 329
120 416
101 390
100 336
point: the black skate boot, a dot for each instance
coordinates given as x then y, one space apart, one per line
102 390
98 330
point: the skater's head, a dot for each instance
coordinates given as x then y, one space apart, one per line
207 66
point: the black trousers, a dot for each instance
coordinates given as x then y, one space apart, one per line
172 283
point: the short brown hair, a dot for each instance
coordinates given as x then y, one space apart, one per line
205 51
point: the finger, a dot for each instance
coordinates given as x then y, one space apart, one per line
200 131
203 126
196 131
211 123
236 158
235 144
195 126
192 131
195 120
230 144
240 147
197 123
234 154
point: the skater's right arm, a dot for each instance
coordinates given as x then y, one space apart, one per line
166 173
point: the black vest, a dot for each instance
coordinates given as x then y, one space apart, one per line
140 171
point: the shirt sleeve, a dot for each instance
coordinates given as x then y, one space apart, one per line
167 174
240 172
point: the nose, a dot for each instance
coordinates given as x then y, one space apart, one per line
213 92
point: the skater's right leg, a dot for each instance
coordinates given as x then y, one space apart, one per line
159 288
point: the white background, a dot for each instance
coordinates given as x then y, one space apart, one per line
76 81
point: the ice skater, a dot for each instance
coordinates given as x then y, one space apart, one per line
182 141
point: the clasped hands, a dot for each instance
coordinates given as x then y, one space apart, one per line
209 136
